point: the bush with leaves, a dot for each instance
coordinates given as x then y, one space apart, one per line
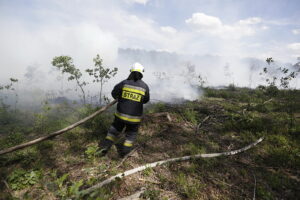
65 64
278 76
20 179
101 74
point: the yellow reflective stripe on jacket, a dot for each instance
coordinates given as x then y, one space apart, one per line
127 118
136 70
127 144
135 87
110 138
134 90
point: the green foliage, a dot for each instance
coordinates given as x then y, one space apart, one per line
73 190
148 171
193 149
45 147
256 122
98 125
65 65
157 107
20 179
151 194
191 115
91 152
7 88
282 156
202 80
60 182
42 117
273 73
264 193
11 140
10 85
231 87
104 193
234 93
186 187
101 74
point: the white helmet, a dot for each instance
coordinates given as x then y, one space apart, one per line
137 67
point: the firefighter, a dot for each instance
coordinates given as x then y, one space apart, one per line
131 94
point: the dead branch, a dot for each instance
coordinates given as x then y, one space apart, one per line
154 164
8 188
54 134
201 123
268 101
254 189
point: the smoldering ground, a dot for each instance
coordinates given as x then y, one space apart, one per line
171 77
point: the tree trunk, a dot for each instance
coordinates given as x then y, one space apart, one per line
83 93
101 87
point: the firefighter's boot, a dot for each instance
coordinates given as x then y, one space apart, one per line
125 148
104 147
109 140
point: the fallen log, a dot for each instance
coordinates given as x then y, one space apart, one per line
56 133
154 164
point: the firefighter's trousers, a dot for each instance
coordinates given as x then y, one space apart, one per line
115 129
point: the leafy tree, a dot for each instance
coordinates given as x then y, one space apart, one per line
101 74
65 65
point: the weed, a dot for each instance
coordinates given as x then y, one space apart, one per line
45 147
91 152
11 140
163 179
99 125
193 149
157 107
151 194
62 190
186 187
190 115
104 193
20 179
263 193
148 171
73 190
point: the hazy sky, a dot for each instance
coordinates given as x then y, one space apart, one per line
34 31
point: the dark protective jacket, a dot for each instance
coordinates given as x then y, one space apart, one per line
131 96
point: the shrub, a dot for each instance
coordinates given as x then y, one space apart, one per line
190 115
98 125
151 194
20 179
91 152
186 187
